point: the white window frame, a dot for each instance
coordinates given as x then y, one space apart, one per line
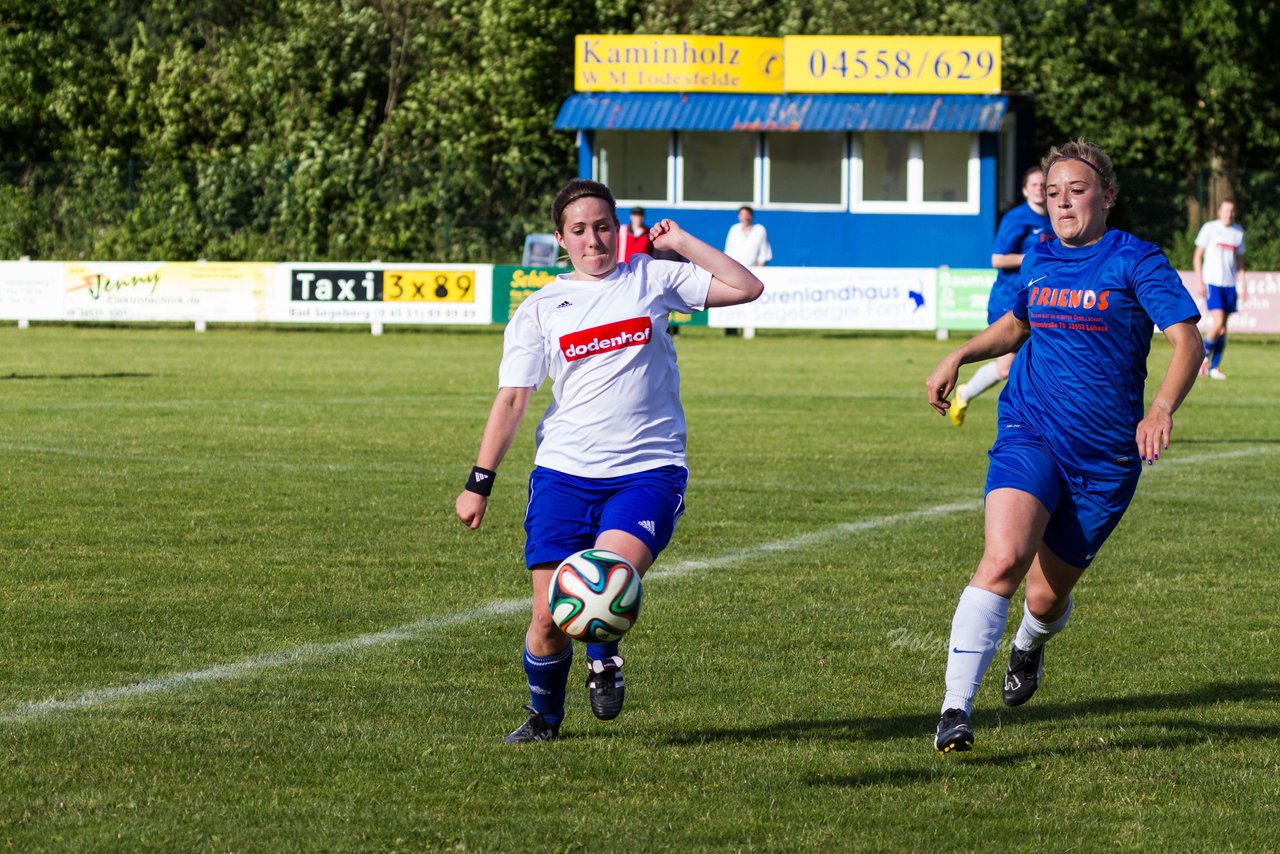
600 175
915 203
767 185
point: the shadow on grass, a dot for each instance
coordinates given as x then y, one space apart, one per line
1157 734
921 725
120 375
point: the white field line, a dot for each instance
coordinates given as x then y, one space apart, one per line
1205 458
98 697
213 460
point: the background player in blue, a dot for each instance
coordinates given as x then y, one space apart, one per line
1021 230
1072 434
610 467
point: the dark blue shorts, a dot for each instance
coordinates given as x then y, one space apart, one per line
1083 509
566 512
1219 298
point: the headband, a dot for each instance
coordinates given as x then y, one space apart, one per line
1081 159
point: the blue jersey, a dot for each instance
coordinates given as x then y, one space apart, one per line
1020 231
1078 380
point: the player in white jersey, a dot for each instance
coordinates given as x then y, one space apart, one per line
1219 267
610 466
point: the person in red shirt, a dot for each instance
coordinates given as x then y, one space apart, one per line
634 239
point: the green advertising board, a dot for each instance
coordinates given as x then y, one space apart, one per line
962 298
512 285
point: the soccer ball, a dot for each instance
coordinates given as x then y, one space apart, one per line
594 596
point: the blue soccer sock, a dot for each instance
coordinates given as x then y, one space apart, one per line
1219 347
601 651
548 676
1209 345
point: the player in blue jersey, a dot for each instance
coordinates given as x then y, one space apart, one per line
1021 230
610 466
1071 434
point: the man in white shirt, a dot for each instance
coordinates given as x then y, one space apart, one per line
748 242
1219 267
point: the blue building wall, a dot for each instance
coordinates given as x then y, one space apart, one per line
844 239
802 239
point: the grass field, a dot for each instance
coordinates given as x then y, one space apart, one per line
206 538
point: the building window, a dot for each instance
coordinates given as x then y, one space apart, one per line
884 167
946 167
915 173
805 169
634 163
718 167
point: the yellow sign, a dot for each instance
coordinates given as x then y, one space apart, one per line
677 64
428 286
154 290
952 65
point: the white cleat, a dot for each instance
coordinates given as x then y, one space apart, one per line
1215 374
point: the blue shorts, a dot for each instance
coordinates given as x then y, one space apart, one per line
1083 509
1219 298
567 513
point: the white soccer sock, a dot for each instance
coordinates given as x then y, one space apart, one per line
975 633
1032 633
982 379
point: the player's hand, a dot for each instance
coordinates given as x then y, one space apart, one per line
471 507
1154 432
666 234
941 383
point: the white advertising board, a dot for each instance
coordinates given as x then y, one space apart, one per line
384 293
153 290
837 298
1259 307
31 290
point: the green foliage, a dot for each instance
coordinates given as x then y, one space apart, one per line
412 129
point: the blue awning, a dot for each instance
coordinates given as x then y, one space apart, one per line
706 111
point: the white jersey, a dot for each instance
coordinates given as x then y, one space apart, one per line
1220 244
749 248
616 388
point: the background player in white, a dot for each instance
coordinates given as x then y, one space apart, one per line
610 467
748 242
1219 267
1021 230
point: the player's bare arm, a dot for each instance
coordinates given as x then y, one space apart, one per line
1008 261
1155 430
499 432
731 283
1006 335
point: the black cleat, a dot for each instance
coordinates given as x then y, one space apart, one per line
1023 676
605 687
954 732
534 729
